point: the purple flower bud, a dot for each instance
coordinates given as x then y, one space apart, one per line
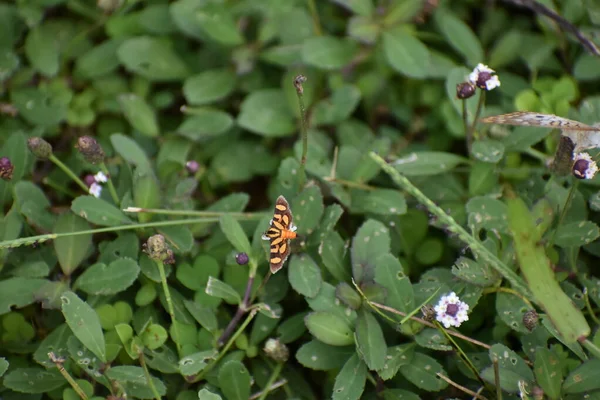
242 258
465 90
192 166
6 169
90 149
89 180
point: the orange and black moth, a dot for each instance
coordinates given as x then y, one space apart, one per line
280 232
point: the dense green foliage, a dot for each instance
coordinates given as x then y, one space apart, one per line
194 111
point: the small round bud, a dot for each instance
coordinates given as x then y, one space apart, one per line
90 149
157 249
428 312
89 180
39 147
530 319
192 166
465 90
276 350
583 166
6 168
242 258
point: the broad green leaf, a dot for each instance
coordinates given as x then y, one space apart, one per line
235 234
511 366
3 366
430 338
196 362
586 68
71 250
510 310
43 54
338 107
477 273
15 147
140 114
333 252
307 209
328 52
41 106
209 86
488 213
130 151
584 378
422 372
85 324
305 275
535 266
370 342
204 315
204 394
548 372
152 58
220 289
292 328
33 380
488 150
360 7
379 201
427 163
350 382
576 234
102 279
265 112
263 325
195 277
390 274
406 54
347 295
134 381
98 211
372 241
396 357
205 124
218 23
180 238
18 292
329 328
234 380
460 36
323 357
99 61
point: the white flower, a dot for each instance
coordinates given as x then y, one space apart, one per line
583 166
95 189
450 311
484 77
100 177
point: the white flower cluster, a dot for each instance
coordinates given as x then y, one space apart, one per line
450 311
96 187
484 77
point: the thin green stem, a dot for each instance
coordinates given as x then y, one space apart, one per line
59 364
589 307
564 211
148 377
543 157
238 215
298 81
591 347
472 133
59 188
163 279
315 17
465 120
351 184
226 348
50 236
111 187
272 379
453 227
68 171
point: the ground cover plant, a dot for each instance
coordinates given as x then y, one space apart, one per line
310 199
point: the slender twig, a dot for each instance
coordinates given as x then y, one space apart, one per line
588 305
465 120
111 186
460 387
274 386
298 81
59 364
148 377
272 378
315 17
163 278
497 377
68 171
51 236
472 132
242 309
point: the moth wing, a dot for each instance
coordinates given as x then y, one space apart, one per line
526 118
278 259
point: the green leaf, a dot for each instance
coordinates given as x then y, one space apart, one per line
347 295
33 380
586 68
305 275
333 253
511 367
422 372
40 106
323 357
265 112
98 211
460 36
488 150
329 328
209 86
370 342
234 380
196 362
307 209
535 266
396 357
3 366
85 324
100 279
235 234
195 277
139 114
205 124
336 108
327 302
379 201
98 61
71 250
152 58
360 7
576 234
15 147
130 151
406 54
372 241
480 274
263 325
584 378
220 289
217 22
134 381
548 372
204 315
43 54
487 213
390 274
427 163
18 292
328 52
350 382
204 394
292 328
